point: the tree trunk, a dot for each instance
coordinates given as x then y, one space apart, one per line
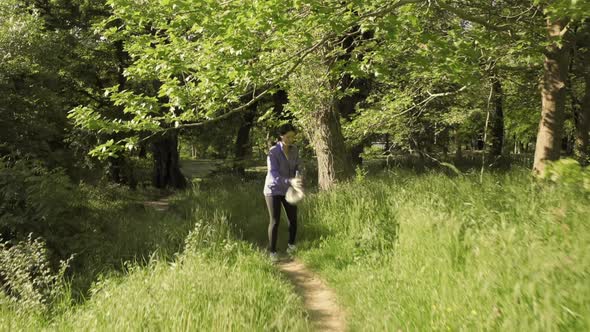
334 164
166 163
443 141
355 154
121 171
497 120
142 151
581 148
243 148
346 105
548 147
583 124
458 152
568 145
279 100
193 151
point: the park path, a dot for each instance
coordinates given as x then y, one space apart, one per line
191 169
319 300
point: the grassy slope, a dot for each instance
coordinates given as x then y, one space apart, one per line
423 252
504 254
195 292
218 282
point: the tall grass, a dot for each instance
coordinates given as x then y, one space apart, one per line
211 281
431 252
403 252
197 292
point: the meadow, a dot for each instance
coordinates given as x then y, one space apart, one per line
402 250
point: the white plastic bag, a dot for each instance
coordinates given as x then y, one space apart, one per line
294 195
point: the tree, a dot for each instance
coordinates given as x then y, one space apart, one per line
556 64
313 101
559 14
208 58
243 148
30 103
48 64
497 119
581 106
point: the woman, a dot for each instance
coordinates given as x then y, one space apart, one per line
283 165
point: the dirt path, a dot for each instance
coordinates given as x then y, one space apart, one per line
319 299
159 205
191 169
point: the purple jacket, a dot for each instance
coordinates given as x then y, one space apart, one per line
280 169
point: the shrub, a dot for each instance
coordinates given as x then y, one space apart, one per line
33 198
568 172
26 277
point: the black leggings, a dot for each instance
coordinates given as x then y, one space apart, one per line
273 203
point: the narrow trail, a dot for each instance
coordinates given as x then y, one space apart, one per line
161 204
191 169
318 298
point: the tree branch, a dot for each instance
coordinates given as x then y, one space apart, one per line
268 87
427 100
388 9
302 55
468 17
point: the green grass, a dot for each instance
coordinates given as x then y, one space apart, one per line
214 281
402 251
506 254
192 293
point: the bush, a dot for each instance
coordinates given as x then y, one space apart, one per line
568 173
26 277
33 198
373 152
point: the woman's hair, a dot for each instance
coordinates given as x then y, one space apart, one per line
284 129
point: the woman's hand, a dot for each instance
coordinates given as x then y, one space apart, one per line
296 183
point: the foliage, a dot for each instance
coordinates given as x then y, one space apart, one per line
29 100
35 199
26 275
444 252
216 280
569 173
206 59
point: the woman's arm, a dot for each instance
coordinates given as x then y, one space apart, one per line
272 163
